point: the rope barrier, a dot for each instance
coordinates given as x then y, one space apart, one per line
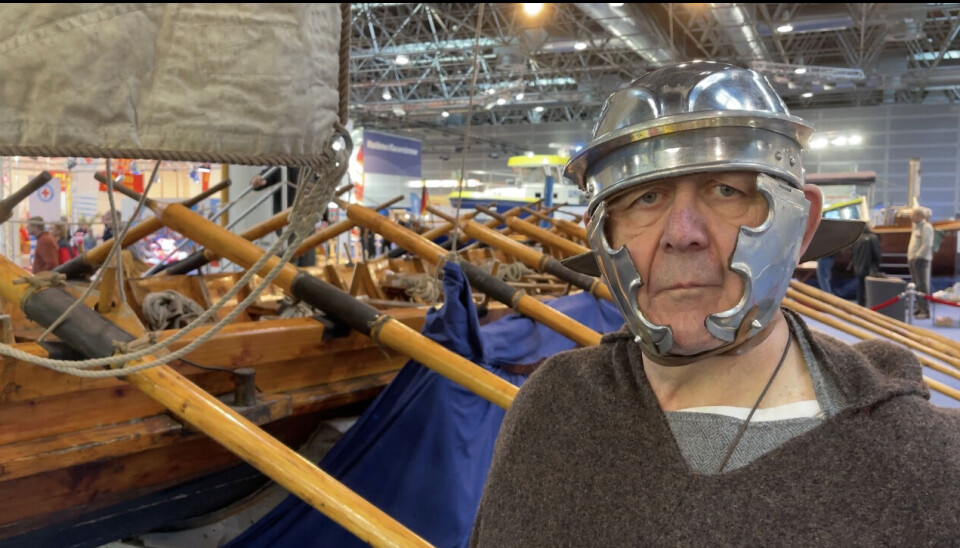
887 303
933 299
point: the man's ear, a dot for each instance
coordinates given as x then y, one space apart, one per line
813 195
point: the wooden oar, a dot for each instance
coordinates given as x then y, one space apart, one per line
533 231
922 336
531 257
90 260
381 328
95 337
825 308
845 327
205 256
565 226
11 201
490 285
441 230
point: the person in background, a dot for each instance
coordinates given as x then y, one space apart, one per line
65 249
108 225
45 254
716 417
825 273
865 261
919 255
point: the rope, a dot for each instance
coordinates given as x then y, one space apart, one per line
304 216
466 133
513 272
293 308
169 310
887 303
344 76
933 299
114 250
115 220
422 286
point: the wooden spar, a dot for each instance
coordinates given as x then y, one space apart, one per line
825 308
11 201
204 256
537 233
90 260
540 262
919 335
843 326
95 336
435 233
490 285
364 318
565 226
337 229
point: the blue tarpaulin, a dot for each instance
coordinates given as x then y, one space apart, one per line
422 450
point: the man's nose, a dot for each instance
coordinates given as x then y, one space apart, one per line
685 225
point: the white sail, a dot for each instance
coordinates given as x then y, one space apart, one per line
233 83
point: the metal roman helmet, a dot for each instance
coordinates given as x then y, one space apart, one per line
692 118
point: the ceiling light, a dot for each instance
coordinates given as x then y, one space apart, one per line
445 114
800 70
501 101
491 91
538 109
386 95
532 9
786 27
855 140
520 96
580 46
818 142
529 154
398 111
839 141
402 59
807 95
616 4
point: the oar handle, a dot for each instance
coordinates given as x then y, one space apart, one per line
11 201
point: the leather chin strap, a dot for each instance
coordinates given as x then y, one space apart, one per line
741 343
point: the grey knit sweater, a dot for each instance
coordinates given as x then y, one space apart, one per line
585 457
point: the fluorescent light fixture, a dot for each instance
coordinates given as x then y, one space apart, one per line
800 70
491 91
520 96
501 101
818 142
445 114
532 9
538 109
529 154
580 46
402 60
839 141
786 27
855 140
386 95
807 95
616 4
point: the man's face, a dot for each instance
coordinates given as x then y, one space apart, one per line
681 234
916 216
34 229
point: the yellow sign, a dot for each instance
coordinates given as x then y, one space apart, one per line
537 160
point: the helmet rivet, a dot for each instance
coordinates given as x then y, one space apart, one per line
779 156
793 161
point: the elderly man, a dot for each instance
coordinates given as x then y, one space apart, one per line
45 254
715 417
919 255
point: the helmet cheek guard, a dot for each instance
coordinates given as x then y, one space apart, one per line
764 256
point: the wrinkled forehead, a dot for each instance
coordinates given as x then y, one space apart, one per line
739 178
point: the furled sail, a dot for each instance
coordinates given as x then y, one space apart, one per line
227 83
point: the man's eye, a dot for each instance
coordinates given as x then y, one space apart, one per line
726 190
648 198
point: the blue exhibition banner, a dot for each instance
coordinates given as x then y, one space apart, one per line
414 203
391 155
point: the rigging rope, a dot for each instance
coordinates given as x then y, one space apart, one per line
169 310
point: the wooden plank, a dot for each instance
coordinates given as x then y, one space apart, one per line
34 501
